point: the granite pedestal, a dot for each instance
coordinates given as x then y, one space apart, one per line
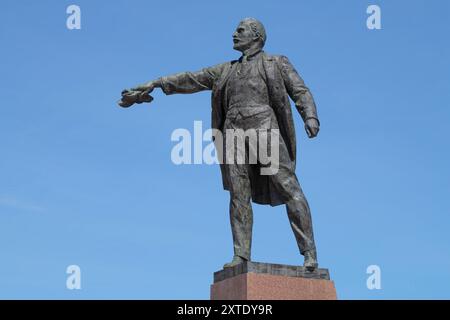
265 281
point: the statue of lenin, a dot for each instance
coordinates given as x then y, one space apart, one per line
253 93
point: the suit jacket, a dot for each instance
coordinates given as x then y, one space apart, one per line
282 81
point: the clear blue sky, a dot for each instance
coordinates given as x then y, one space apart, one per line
85 182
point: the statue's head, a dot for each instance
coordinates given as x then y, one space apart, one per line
250 33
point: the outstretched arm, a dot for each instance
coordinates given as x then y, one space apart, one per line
301 96
184 82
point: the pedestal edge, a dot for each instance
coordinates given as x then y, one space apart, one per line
271 268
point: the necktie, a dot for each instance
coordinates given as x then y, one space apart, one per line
242 65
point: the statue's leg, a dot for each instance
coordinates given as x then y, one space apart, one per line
298 210
241 214
299 214
301 223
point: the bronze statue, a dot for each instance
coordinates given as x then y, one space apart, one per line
253 93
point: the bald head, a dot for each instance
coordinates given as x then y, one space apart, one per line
257 28
250 33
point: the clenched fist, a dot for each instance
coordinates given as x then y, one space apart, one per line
312 127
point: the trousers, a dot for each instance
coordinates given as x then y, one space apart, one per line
284 180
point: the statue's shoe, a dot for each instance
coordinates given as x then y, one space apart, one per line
236 261
311 260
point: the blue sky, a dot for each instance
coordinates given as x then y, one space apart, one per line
85 182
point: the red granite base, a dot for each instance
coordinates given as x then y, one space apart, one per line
257 286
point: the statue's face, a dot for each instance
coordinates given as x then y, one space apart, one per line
243 37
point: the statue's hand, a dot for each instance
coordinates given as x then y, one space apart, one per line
138 94
312 127
149 86
130 97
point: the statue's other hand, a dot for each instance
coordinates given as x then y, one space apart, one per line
312 127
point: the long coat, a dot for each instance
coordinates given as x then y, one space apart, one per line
283 82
